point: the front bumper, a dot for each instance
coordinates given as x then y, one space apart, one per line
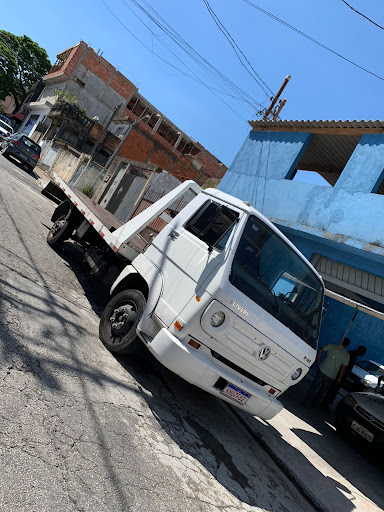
345 415
196 368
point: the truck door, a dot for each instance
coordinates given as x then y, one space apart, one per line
188 252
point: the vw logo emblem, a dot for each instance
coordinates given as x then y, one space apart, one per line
263 353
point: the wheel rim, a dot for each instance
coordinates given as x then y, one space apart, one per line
121 321
57 227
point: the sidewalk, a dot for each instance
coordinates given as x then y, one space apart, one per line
331 473
42 176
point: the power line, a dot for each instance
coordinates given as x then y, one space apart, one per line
199 60
311 39
236 49
162 59
363 15
195 77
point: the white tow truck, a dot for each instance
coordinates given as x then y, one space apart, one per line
220 297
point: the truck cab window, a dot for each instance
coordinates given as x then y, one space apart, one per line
212 224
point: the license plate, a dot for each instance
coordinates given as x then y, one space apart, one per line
362 431
236 394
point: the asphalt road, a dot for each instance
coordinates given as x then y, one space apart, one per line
81 430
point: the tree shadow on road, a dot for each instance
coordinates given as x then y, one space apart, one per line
208 430
356 464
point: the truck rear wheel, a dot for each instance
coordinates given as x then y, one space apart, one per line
119 320
59 232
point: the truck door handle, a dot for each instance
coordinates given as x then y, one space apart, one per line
173 235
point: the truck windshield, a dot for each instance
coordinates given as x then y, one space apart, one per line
270 273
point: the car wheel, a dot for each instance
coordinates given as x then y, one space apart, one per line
59 232
119 320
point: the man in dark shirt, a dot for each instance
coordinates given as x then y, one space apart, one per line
332 393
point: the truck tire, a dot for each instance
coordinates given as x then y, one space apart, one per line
59 232
119 320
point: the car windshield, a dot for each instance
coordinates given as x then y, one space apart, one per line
271 273
372 368
29 143
5 127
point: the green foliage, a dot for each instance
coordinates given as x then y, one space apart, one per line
72 99
87 191
22 63
211 183
2 108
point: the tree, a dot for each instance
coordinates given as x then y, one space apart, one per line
22 63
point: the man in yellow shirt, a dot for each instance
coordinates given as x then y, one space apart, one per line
337 359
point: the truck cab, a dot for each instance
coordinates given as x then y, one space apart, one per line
232 306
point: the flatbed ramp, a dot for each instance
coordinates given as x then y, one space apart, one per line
116 234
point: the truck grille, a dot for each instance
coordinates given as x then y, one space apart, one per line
369 417
238 369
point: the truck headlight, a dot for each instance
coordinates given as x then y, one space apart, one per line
217 319
296 374
366 382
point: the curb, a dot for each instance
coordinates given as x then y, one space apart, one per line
286 469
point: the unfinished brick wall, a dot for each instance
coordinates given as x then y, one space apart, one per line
122 86
213 167
136 146
161 158
144 146
97 67
69 64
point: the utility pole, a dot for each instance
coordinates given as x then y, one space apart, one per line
111 158
97 143
99 138
276 111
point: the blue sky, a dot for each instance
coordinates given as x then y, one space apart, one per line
322 86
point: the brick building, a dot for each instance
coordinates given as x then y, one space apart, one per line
158 141
77 145
85 74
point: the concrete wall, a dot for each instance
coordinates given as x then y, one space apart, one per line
90 177
346 210
365 329
96 97
59 159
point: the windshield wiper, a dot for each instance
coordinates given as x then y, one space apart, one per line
264 284
298 310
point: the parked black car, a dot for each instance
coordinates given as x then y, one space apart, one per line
361 416
23 149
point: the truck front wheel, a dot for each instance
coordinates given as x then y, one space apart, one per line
119 320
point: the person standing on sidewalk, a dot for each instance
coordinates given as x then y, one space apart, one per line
332 368
334 389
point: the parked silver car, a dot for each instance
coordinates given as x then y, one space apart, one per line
364 376
361 415
23 149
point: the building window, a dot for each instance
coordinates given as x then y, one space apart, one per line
120 130
78 81
324 159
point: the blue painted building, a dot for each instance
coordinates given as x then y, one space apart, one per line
338 226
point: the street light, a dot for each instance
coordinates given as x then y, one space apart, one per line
110 159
